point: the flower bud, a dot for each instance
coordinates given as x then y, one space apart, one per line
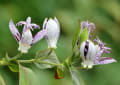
53 30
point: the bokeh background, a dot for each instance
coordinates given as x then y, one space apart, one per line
104 13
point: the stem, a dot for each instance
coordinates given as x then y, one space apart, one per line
15 57
42 62
35 61
27 61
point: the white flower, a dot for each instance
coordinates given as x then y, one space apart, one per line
53 30
90 54
26 40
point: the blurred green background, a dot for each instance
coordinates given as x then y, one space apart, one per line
104 13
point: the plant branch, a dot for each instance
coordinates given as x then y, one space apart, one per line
15 57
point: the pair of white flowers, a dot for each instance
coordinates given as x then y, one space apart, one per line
51 31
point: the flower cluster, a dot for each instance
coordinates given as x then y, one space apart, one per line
51 31
91 52
83 47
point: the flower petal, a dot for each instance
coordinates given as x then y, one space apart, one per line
45 23
14 30
21 23
102 46
104 60
27 25
28 20
35 26
27 37
56 20
98 54
39 36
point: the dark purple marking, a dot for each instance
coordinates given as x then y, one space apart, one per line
86 49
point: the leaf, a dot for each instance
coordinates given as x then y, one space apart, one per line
46 59
75 76
60 70
2 82
13 67
84 36
27 76
76 61
76 37
43 53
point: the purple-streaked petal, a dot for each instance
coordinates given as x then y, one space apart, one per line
106 50
21 23
39 36
56 20
28 20
89 26
45 23
28 25
102 46
35 26
99 54
83 25
104 60
14 30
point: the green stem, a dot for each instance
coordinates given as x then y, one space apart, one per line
34 60
15 57
42 62
26 61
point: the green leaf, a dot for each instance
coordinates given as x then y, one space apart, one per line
2 82
76 61
84 36
80 36
46 59
76 37
60 70
13 67
27 76
43 53
75 76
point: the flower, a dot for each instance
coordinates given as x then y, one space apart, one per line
90 53
87 55
26 40
53 31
